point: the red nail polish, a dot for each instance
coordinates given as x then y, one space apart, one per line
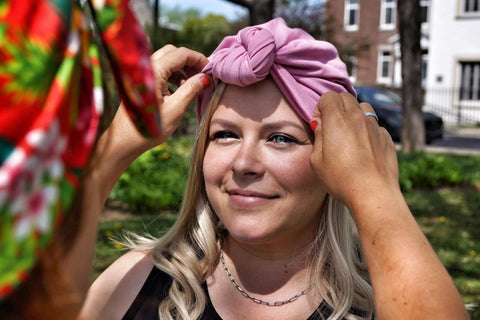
313 124
205 81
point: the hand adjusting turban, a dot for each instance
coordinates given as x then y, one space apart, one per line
303 68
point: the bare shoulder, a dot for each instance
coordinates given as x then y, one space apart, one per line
115 289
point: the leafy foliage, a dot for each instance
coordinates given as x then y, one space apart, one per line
304 14
428 171
156 180
203 34
194 31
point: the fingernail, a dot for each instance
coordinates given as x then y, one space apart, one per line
313 124
205 81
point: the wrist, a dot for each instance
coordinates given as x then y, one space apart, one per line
378 200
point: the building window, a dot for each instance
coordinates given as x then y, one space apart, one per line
469 81
424 8
351 15
469 7
388 13
424 69
385 65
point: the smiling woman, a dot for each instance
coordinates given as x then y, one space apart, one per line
257 170
264 231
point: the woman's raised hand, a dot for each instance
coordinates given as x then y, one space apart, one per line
353 157
178 66
181 67
122 143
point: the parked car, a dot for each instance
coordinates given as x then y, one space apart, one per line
388 107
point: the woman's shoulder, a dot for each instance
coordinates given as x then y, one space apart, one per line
116 288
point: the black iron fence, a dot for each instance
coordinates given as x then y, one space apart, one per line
456 106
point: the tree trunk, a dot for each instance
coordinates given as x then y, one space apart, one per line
156 17
260 11
413 126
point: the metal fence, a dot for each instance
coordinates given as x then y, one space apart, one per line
456 107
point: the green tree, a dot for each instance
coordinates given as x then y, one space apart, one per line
203 34
304 14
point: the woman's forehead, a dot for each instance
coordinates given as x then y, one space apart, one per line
259 101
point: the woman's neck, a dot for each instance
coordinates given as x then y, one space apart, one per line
264 268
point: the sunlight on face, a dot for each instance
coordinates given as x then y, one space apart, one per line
257 167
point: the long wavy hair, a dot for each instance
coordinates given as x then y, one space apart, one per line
190 248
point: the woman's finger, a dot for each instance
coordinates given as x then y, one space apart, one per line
369 112
180 58
163 51
177 103
170 63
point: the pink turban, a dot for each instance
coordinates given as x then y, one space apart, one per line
303 68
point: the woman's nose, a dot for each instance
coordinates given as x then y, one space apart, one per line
248 160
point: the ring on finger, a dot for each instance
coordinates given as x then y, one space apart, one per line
371 114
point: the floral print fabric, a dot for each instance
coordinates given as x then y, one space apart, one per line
51 101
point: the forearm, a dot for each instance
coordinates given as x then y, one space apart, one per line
115 151
408 279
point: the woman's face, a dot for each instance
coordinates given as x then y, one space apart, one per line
257 170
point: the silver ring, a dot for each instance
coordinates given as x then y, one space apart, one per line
371 114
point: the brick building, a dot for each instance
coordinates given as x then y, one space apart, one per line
366 34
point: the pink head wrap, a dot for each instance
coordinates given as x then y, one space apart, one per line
303 68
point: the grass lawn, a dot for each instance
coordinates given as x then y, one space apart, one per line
449 217
107 250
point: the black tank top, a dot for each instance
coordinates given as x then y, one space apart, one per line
157 285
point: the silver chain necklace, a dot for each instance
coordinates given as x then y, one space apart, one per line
257 300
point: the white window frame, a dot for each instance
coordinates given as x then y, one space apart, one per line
349 6
468 78
471 12
382 58
388 5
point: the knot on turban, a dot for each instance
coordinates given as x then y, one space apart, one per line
303 68
246 59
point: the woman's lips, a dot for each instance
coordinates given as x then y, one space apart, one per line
248 198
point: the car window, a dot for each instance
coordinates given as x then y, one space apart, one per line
377 96
382 97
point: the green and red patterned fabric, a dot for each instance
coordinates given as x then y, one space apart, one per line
51 101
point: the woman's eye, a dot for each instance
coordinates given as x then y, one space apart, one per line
224 135
281 138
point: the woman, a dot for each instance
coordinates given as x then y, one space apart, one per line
262 233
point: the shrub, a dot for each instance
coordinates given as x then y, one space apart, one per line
156 180
428 171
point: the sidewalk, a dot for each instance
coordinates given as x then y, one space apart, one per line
456 141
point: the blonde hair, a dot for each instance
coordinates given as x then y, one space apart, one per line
190 249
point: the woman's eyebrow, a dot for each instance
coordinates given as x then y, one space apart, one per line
274 125
282 124
223 122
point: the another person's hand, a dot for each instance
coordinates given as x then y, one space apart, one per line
354 158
